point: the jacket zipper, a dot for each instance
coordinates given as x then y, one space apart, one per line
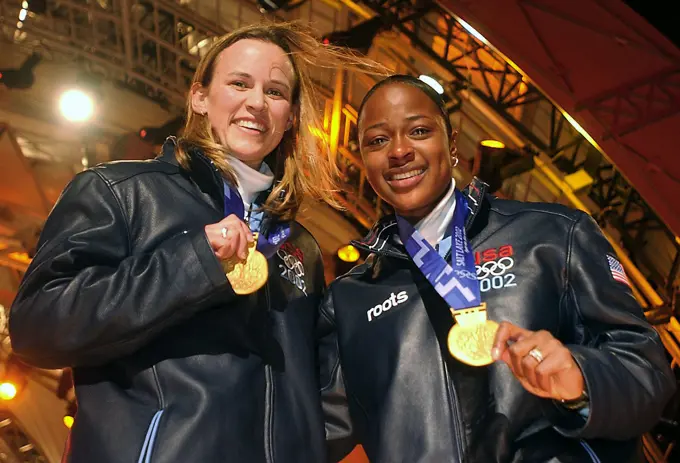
456 412
269 401
147 448
269 377
453 394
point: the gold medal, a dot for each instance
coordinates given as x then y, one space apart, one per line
247 275
471 339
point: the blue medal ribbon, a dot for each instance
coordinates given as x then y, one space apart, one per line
275 237
456 283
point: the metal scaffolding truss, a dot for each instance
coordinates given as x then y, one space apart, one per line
637 104
14 440
152 47
622 207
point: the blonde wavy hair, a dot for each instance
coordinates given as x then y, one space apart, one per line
301 162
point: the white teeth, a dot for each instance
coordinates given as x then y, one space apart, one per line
250 125
405 175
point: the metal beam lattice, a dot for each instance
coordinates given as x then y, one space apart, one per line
14 440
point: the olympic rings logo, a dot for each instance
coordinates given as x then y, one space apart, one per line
291 262
494 268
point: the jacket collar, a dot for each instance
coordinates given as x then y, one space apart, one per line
202 172
381 238
205 175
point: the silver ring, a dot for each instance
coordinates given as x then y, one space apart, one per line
224 232
536 354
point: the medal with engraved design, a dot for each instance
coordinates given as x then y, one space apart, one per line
247 275
471 339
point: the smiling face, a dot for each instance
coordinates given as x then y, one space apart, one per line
405 148
249 99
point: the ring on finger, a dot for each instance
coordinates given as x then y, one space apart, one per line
536 354
224 232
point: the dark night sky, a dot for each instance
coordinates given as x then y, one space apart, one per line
658 16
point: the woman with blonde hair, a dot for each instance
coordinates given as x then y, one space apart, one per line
180 290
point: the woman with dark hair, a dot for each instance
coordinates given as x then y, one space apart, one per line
180 290
414 364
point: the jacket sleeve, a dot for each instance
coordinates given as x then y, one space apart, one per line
86 300
627 375
340 437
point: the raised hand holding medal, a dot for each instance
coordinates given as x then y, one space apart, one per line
248 274
471 339
244 254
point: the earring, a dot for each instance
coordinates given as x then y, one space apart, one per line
455 161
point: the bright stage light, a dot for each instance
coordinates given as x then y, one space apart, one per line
432 83
76 105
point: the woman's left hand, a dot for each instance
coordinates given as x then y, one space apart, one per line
542 364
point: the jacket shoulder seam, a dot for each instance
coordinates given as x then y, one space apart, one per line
132 175
570 246
120 207
567 269
536 210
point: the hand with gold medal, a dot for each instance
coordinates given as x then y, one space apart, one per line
250 274
235 246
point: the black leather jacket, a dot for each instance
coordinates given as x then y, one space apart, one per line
169 364
542 267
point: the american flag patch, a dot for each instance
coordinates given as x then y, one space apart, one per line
618 273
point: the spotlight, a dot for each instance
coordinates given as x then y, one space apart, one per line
8 391
157 135
494 163
76 105
70 415
14 379
492 144
359 37
432 83
345 258
22 77
348 253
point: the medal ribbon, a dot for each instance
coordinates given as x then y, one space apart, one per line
456 283
276 236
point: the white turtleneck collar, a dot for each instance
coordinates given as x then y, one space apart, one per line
250 181
433 226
